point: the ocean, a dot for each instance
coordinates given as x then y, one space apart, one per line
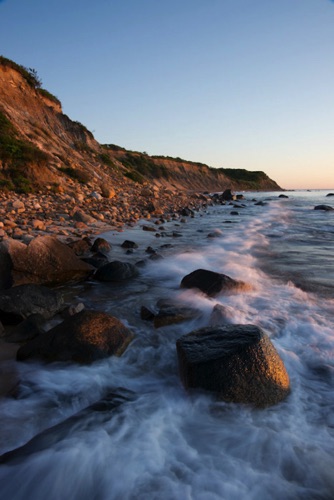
162 442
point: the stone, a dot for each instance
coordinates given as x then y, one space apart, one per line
129 244
97 260
330 194
107 191
20 302
45 260
228 195
170 315
146 314
101 245
212 283
221 315
237 362
95 195
326 208
145 227
28 329
283 196
38 224
80 246
83 338
80 216
116 271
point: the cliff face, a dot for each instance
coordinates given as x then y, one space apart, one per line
39 145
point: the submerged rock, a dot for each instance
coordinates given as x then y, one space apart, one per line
212 283
84 338
238 362
326 208
116 271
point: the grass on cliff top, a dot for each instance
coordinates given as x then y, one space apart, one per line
31 77
15 155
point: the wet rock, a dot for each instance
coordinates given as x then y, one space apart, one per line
212 283
187 212
146 314
215 234
101 245
28 329
228 195
329 194
19 302
129 244
261 203
283 196
83 338
45 260
326 208
237 362
81 246
116 271
234 212
99 412
221 315
170 314
145 227
97 260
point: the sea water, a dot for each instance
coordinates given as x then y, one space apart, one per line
161 442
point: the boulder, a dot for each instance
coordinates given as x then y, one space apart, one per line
171 315
326 208
19 302
237 362
45 260
107 191
101 245
228 195
129 244
80 246
83 338
212 283
116 271
80 216
97 260
26 330
221 315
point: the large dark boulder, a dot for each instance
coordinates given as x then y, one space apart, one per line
84 338
212 283
44 261
21 301
228 195
238 362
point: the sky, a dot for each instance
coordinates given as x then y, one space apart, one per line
230 83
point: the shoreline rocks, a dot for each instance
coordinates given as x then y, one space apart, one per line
237 362
212 283
83 338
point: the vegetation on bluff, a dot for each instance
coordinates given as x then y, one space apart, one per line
15 154
31 77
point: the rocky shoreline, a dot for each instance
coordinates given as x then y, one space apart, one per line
81 211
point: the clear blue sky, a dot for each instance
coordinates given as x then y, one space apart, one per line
231 83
